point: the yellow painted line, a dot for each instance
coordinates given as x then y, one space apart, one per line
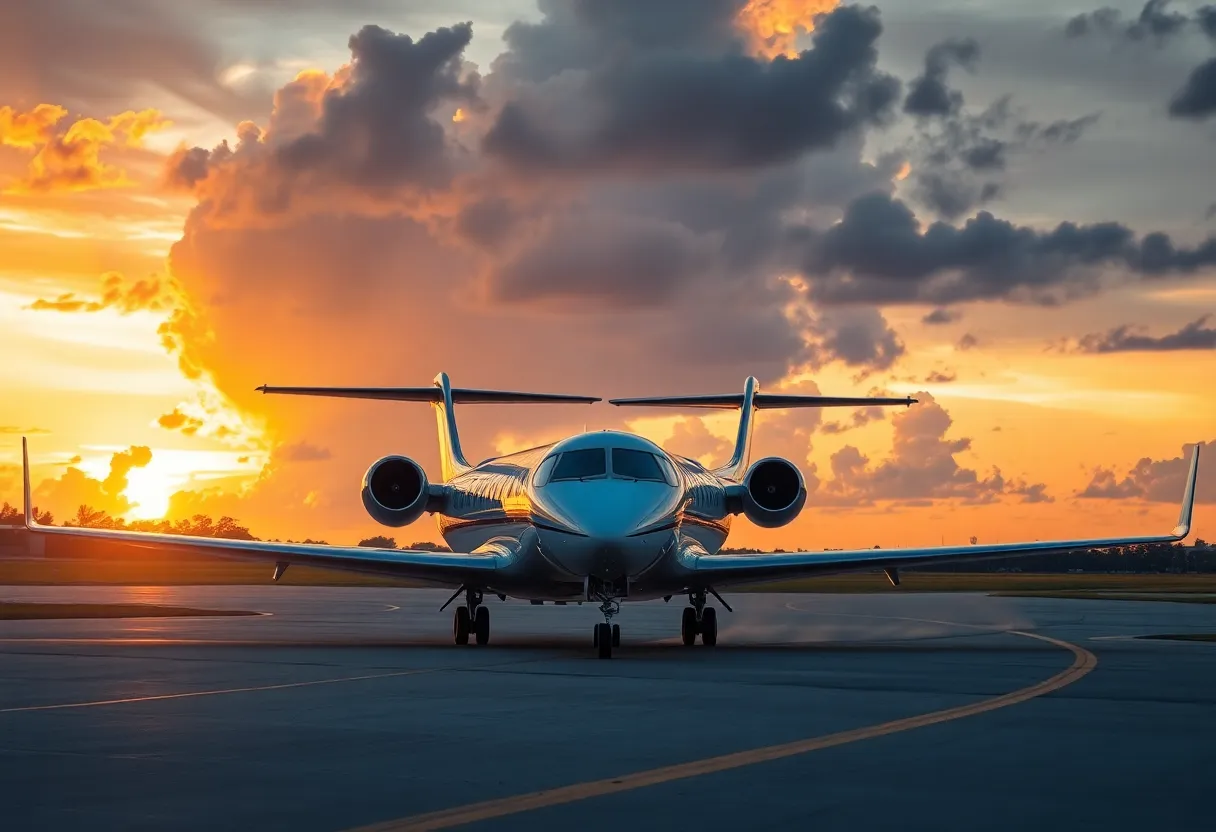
1083 662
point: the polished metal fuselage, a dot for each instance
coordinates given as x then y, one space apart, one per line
624 533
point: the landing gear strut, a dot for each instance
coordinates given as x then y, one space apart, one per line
699 619
606 635
471 618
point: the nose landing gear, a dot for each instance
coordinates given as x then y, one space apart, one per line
606 635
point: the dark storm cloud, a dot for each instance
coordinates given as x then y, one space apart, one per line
1197 98
377 129
963 155
928 94
879 254
856 337
1193 336
686 110
1155 21
613 261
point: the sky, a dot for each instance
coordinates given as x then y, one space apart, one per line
1006 210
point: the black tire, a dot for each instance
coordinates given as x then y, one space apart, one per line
688 627
481 625
603 637
595 636
616 635
709 627
460 625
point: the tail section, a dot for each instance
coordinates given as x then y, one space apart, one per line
749 401
443 397
451 457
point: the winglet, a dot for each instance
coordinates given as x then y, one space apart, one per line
1188 497
25 472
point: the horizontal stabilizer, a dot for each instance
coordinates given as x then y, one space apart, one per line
761 401
431 394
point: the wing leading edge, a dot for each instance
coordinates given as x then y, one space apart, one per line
442 568
724 570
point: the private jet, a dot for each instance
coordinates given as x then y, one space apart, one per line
603 517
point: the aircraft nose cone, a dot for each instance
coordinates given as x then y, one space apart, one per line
604 518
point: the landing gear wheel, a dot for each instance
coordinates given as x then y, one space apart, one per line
482 625
688 627
709 627
616 635
460 625
603 640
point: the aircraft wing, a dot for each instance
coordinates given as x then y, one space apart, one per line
725 570
442 568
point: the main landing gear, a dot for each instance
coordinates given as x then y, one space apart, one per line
699 619
471 618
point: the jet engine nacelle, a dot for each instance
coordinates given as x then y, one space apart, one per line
773 492
396 491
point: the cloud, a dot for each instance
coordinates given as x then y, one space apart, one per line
176 420
671 106
107 54
856 337
879 253
151 293
1197 98
70 160
1154 21
14 430
921 467
941 377
691 438
74 488
928 94
861 417
302 452
967 342
961 156
1158 481
941 316
1192 336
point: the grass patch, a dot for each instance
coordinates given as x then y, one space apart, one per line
1183 637
38 612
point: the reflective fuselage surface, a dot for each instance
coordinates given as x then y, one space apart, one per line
607 505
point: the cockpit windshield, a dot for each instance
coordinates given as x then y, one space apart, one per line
578 465
636 465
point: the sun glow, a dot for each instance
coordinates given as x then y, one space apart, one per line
149 490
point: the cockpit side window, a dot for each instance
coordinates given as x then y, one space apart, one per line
636 465
544 471
579 465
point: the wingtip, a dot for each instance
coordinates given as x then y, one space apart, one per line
1188 497
25 482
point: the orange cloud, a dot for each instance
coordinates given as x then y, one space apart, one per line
75 488
28 131
71 160
151 293
773 26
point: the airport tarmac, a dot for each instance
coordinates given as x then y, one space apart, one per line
342 708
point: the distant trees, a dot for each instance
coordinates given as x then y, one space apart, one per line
200 525
13 516
379 542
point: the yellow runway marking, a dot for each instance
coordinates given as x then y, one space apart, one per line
1083 662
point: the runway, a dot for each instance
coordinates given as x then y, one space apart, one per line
343 708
